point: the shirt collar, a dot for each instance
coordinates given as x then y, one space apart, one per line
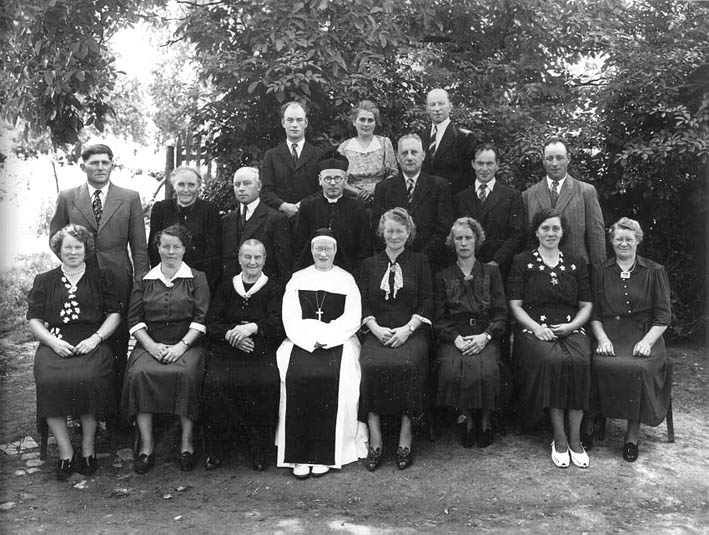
490 185
441 127
561 182
415 178
184 272
299 145
103 190
332 201
250 207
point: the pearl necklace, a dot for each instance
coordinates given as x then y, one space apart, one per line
74 273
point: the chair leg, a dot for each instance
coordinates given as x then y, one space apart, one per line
670 423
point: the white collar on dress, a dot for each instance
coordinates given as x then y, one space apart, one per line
183 272
238 282
354 146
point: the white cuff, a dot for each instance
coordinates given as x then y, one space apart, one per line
137 327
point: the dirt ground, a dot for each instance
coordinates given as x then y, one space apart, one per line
510 487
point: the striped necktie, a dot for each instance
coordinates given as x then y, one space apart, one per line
432 145
410 184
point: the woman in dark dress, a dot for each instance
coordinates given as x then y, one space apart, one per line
397 304
199 217
168 309
632 377
241 384
470 318
550 296
72 310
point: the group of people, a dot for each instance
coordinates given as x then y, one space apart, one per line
342 290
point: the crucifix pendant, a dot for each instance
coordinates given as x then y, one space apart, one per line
319 313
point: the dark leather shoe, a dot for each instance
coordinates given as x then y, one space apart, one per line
88 465
374 459
485 437
65 467
467 437
404 458
630 452
212 462
143 463
186 461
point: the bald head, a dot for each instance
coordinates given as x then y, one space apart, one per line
438 105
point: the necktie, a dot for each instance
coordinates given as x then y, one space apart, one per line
482 193
410 188
432 145
554 193
97 206
242 218
294 152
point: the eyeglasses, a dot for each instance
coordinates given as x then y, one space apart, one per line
333 179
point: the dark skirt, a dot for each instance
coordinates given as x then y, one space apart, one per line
554 375
153 387
394 380
628 387
81 384
467 382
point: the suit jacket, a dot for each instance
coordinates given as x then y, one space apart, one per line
122 226
431 209
268 226
285 181
453 157
578 202
502 218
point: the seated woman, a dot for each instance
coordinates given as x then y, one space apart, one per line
319 366
550 296
632 377
199 217
167 315
371 157
397 304
241 384
471 313
72 310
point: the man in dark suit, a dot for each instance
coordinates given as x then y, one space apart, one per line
252 219
449 149
289 172
345 216
576 200
115 216
497 208
426 197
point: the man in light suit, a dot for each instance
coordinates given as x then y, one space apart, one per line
289 172
252 219
449 149
426 197
115 216
576 200
497 208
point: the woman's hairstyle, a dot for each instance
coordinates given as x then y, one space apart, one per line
625 223
546 213
77 232
401 216
178 231
253 242
366 105
183 169
473 225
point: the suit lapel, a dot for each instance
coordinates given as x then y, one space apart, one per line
446 141
113 201
566 193
423 185
253 223
541 192
306 154
492 199
83 204
286 158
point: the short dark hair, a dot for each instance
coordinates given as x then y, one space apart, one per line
178 231
547 213
473 225
77 232
553 141
293 103
97 148
482 148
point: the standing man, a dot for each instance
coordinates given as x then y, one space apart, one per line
289 172
426 197
252 219
449 149
577 200
345 216
497 208
115 216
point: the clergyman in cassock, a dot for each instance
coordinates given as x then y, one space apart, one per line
319 368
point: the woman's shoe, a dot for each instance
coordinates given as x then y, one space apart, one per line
579 459
319 470
630 452
374 459
65 467
212 462
186 461
88 465
301 471
485 437
143 463
404 458
560 460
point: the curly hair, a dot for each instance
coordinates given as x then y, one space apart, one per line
470 223
625 223
77 232
401 216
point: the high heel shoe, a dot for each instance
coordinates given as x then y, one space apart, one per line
374 459
65 467
88 465
144 463
579 459
404 458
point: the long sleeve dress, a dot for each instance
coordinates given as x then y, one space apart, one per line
628 387
465 307
555 374
394 380
80 384
243 388
167 309
318 364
